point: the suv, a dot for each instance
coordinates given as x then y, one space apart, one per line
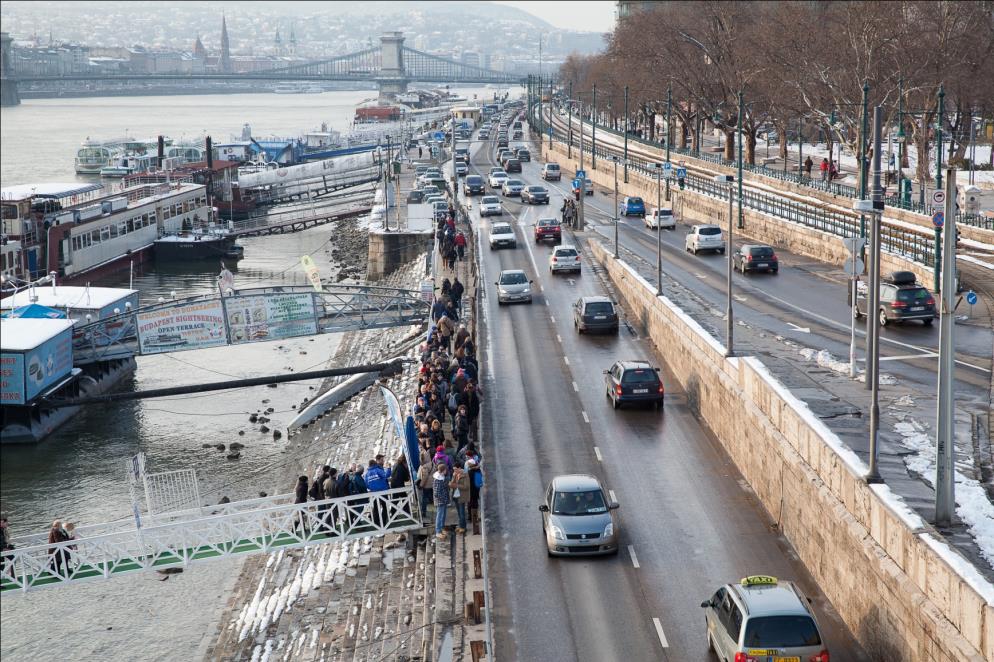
901 299
762 618
595 314
577 518
523 154
752 257
415 196
634 381
660 217
551 172
474 184
535 195
704 238
548 228
632 206
512 165
564 258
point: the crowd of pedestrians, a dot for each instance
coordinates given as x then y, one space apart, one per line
451 242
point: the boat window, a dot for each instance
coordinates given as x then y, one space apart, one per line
131 225
122 228
144 220
95 237
104 233
113 231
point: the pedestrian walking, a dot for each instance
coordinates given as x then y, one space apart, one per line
460 242
400 473
56 535
358 486
425 485
300 496
457 290
460 496
808 164
329 490
377 481
440 494
475 472
446 329
823 167
419 151
450 257
833 172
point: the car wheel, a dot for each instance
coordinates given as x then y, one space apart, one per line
721 251
694 250
614 402
882 318
928 322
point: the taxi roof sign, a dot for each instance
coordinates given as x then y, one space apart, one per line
758 580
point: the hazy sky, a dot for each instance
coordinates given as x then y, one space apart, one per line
591 15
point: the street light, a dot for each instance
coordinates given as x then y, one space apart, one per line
616 161
728 181
659 230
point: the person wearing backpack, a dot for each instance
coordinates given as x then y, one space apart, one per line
460 495
460 424
357 486
425 486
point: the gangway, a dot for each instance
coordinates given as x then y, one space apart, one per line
232 317
177 539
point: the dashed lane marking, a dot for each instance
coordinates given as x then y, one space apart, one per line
926 355
553 318
597 452
586 419
659 631
559 338
566 360
611 494
700 275
635 561
575 387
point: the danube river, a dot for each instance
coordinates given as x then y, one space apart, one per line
79 472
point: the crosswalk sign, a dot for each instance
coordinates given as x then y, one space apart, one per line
681 173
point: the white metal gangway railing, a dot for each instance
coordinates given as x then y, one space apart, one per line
180 538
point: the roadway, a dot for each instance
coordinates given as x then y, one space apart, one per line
688 520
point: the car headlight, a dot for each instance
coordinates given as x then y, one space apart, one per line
557 532
526 290
609 530
501 290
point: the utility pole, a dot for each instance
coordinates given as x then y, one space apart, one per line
659 230
800 149
669 132
873 360
593 131
729 324
569 111
938 185
580 113
626 136
862 158
615 159
945 498
741 216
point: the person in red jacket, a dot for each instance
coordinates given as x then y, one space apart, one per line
824 169
460 242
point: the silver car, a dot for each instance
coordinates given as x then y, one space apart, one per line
577 518
762 618
512 286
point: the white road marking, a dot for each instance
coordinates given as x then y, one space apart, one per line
559 338
586 418
802 329
566 360
700 275
635 560
575 387
546 302
739 298
926 355
553 318
659 631
597 452
611 494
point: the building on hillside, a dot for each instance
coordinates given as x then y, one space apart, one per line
628 7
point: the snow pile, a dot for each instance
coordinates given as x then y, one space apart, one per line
826 359
972 503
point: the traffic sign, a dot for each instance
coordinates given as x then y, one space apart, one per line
854 244
938 197
439 136
971 297
938 218
667 170
577 183
581 174
854 270
681 173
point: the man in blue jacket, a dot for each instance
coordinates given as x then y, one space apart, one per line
377 481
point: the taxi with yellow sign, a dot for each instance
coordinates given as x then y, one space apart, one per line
762 619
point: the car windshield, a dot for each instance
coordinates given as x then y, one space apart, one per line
565 252
578 503
547 223
781 632
490 200
600 308
919 294
513 279
709 231
761 251
552 166
515 182
640 376
634 201
536 189
499 173
474 179
502 229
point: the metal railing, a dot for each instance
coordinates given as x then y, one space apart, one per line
176 540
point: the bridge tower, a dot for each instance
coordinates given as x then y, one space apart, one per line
8 86
393 77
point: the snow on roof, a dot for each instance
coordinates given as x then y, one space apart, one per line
63 296
48 190
21 335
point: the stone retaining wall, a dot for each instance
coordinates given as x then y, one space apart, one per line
904 592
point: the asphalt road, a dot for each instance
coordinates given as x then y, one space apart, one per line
688 520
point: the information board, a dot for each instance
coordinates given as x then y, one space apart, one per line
270 317
189 326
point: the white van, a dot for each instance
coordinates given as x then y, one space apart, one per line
660 218
551 172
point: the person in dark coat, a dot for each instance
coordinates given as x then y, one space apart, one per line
300 496
329 491
456 292
400 473
808 164
59 556
472 407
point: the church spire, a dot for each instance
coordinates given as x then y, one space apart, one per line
224 64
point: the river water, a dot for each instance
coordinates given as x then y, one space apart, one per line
79 472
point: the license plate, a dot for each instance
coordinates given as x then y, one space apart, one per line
600 317
915 309
762 264
640 390
786 659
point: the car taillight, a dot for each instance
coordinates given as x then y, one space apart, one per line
577 258
660 389
898 304
820 657
773 258
743 657
748 258
617 389
930 302
555 259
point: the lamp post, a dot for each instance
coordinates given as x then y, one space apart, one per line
580 113
569 116
862 158
626 137
938 184
728 180
669 132
615 159
659 231
593 130
741 217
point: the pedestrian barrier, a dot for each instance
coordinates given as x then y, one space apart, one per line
176 540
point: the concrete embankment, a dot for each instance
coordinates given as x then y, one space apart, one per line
902 590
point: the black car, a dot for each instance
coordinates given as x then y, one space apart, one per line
901 299
415 196
474 184
634 381
755 257
595 314
502 141
535 195
523 154
512 165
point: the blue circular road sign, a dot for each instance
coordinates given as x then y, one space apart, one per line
971 297
938 218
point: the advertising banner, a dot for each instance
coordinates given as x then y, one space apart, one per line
12 379
48 363
256 318
189 326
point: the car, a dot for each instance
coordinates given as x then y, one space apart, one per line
430 189
535 195
512 165
462 154
588 188
516 125
490 206
551 172
564 258
513 285
762 618
436 180
461 168
548 228
632 206
634 381
595 313
502 234
440 209
502 154
502 141
523 154
661 217
474 184
432 199
902 299
704 237
497 179
517 135
577 518
420 170
512 187
755 257
415 196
